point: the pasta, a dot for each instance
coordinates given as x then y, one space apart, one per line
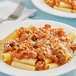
15 34
68 56
6 57
38 49
47 60
22 66
30 27
1 50
62 9
63 5
26 61
71 36
51 66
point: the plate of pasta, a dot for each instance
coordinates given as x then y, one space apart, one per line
62 8
37 48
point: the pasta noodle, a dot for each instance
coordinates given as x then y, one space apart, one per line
64 5
48 1
48 61
6 57
62 9
22 66
74 41
51 66
71 36
1 50
26 61
74 11
30 27
68 56
15 34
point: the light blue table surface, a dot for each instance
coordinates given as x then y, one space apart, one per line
42 15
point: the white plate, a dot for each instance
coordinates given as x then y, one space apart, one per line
44 7
7 27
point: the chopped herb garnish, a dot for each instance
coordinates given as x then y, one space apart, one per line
25 43
15 47
37 42
58 52
27 40
54 47
71 50
59 60
9 47
24 32
19 39
33 34
41 54
57 49
51 33
39 34
54 34
60 55
43 39
50 38
1 49
29 34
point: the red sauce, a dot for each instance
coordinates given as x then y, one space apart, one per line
52 4
39 43
71 2
73 47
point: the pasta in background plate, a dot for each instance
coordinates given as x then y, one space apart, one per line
63 5
38 49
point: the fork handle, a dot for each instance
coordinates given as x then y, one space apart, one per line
4 20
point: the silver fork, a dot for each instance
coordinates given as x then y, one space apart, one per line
16 14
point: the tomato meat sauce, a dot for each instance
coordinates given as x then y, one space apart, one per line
55 2
39 43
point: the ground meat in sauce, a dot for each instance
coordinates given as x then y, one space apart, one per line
40 65
57 2
39 43
73 47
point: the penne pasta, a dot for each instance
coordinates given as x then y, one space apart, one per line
64 5
71 36
6 57
51 66
48 1
1 50
15 34
47 61
74 42
27 61
22 66
74 11
68 56
30 27
63 9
